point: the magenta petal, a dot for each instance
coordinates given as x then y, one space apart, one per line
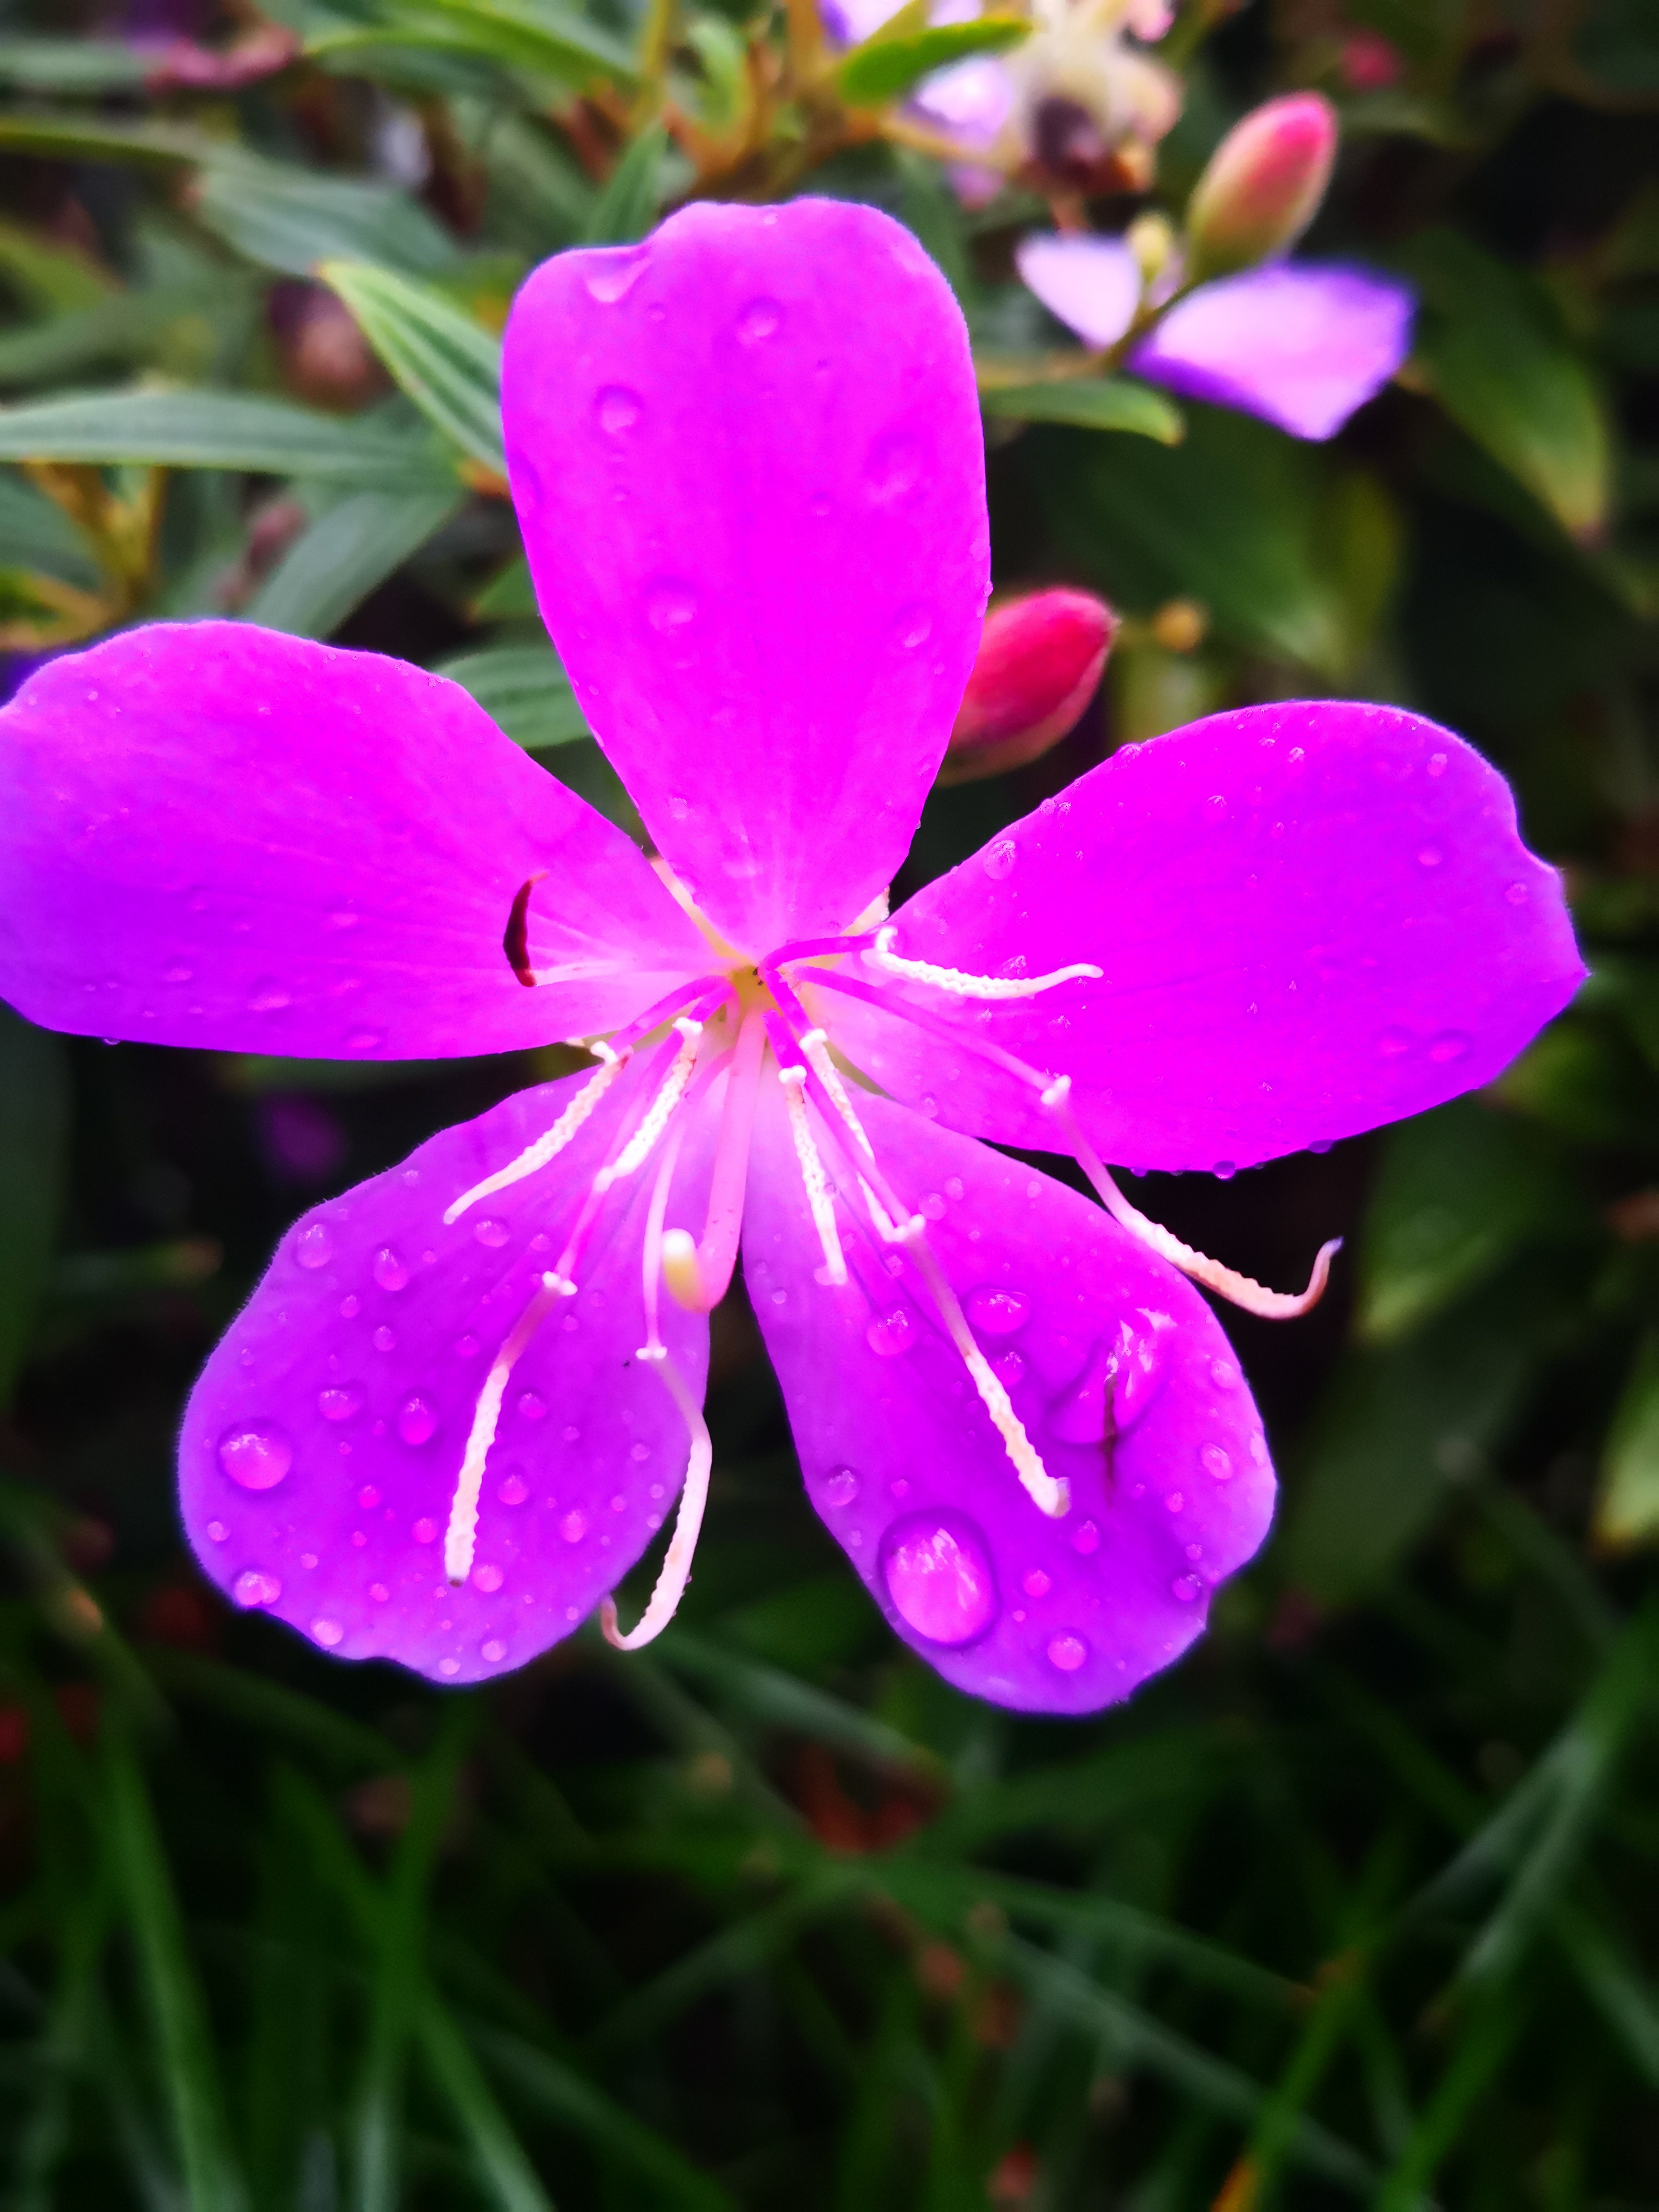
748 462
1310 919
1302 347
321 1446
1091 284
215 835
902 1462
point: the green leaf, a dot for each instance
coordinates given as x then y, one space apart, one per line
534 35
36 533
51 277
34 1106
1461 1189
1627 1496
627 206
509 595
290 219
883 68
450 365
1108 402
350 548
1492 348
217 430
76 66
502 2166
526 690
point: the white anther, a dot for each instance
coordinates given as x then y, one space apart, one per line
794 1080
544 1148
688 1521
461 1535
643 1142
961 985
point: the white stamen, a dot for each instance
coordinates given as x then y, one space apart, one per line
962 985
461 1535
643 1142
688 1521
547 1148
794 1080
816 1045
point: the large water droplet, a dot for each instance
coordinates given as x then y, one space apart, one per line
617 410
997 859
487 1577
257 1456
328 1633
891 1333
252 1588
1216 1462
759 319
670 606
1450 1044
914 627
614 276
841 1488
1142 1370
938 1574
313 1245
893 469
1082 1416
1224 1171
1066 1651
340 1402
416 1421
492 1231
998 1312
389 1270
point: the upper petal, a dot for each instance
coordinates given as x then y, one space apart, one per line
215 834
1118 1370
1302 347
1092 284
322 1444
1310 919
747 458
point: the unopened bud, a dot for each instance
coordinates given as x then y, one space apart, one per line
1152 239
1039 665
1263 184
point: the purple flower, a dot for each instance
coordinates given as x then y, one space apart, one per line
1300 345
747 460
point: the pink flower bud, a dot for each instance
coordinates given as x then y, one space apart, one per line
1039 665
1263 184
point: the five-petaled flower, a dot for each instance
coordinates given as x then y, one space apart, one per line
747 459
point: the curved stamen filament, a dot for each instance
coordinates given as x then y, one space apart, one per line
794 1080
461 1534
697 1274
547 1148
1054 1094
962 985
676 1571
643 1142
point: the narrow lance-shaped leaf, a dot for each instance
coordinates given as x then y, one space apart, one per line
449 364
217 430
1114 403
883 69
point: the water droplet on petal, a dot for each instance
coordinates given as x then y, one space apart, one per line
1450 1044
939 1576
416 1421
492 1231
618 409
328 1633
268 997
1430 856
425 1532
217 1532
915 629
1259 1448
1085 1539
350 1306
1436 764
573 1527
1224 1171
368 1498
997 859
953 1186
390 1273
256 1457
1393 1042
1516 894
841 1488
340 1402
177 973
466 1346
487 1577
378 1593
1066 1651
495 1651
313 1245
512 1490
932 1204
1223 1375
615 276
1037 1583
759 319
929 1105
1216 1462
893 469
386 1339
670 606
252 1588
531 1406
1185 1588
890 1332
998 1312
364 1041
1009 1368
449 1666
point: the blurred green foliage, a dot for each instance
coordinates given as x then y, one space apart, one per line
1357 1907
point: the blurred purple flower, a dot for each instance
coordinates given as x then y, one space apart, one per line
1300 345
747 460
300 1137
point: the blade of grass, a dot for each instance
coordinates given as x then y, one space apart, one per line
1480 2051
502 2166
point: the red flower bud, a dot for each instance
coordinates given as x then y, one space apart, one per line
1039 665
1263 184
